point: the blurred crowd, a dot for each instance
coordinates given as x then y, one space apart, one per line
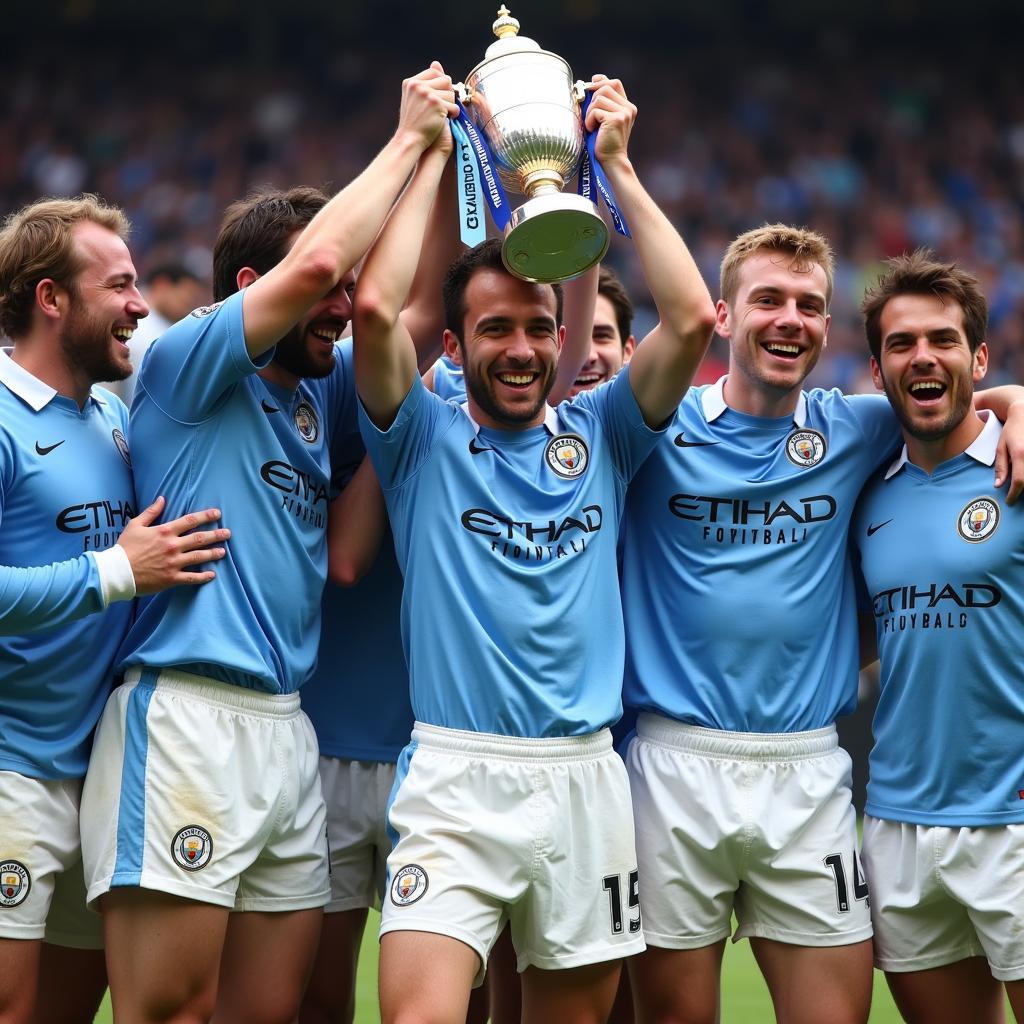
882 151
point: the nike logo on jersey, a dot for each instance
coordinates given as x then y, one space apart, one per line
475 449
40 450
267 408
873 529
680 443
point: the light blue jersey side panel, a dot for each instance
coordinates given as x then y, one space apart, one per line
943 560
358 697
512 535
449 382
737 588
65 490
207 431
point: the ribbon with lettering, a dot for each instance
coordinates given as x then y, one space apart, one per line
472 229
488 182
591 173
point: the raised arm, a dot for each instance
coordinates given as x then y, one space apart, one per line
384 353
423 315
339 235
666 360
578 313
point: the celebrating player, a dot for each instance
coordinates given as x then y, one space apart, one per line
742 656
942 555
505 517
203 795
69 302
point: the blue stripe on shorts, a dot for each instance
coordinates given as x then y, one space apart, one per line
131 814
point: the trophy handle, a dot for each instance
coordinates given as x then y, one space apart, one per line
462 94
579 92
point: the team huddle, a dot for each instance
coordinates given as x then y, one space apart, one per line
476 568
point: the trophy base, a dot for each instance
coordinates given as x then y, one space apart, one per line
553 238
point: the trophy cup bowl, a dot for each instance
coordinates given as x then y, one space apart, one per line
525 103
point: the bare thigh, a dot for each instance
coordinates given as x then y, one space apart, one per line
163 954
331 995
956 992
680 986
425 978
72 983
817 984
266 964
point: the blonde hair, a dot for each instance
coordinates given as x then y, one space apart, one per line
805 247
37 242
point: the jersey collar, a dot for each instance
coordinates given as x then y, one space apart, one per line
30 389
550 419
982 449
713 403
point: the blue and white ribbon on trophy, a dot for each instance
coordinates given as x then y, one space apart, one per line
476 166
591 172
478 177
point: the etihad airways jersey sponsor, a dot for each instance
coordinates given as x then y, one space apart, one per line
208 431
511 616
942 558
65 491
737 589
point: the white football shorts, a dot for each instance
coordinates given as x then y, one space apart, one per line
356 794
42 892
939 895
538 832
206 791
753 823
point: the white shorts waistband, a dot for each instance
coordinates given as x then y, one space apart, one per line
217 693
736 746
513 748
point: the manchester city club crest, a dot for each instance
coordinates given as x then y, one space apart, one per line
978 520
15 883
805 447
307 423
206 310
567 455
121 443
409 884
192 848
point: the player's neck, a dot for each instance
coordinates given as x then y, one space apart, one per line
43 359
929 454
278 375
756 399
482 419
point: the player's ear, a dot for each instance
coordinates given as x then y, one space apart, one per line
628 349
245 277
876 374
452 348
980 362
723 319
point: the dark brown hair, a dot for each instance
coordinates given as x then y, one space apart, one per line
920 273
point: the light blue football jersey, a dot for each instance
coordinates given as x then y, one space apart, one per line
65 491
738 593
358 697
449 382
511 617
943 561
208 431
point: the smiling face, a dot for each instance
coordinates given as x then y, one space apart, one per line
307 350
509 348
104 306
609 352
926 367
776 327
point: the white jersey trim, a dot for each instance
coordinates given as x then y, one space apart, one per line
713 403
982 449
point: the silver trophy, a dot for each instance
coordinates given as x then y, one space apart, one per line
525 103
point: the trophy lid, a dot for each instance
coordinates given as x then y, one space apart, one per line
506 28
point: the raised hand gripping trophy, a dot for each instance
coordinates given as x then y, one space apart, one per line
521 118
